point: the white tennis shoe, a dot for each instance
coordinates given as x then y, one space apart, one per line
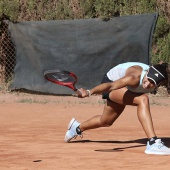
71 132
158 148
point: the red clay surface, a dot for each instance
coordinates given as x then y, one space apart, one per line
32 129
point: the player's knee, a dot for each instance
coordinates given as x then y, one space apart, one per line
106 123
144 99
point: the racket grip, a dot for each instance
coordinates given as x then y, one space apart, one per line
79 92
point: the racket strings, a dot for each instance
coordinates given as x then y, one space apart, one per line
60 77
63 78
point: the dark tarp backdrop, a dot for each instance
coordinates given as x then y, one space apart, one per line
87 47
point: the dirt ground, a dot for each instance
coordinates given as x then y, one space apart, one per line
32 129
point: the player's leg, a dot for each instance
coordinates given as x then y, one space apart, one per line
143 108
154 145
111 112
118 99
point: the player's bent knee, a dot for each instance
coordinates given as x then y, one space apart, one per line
106 123
143 99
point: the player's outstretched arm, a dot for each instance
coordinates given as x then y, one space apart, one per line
106 87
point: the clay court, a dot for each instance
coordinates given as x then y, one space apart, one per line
32 129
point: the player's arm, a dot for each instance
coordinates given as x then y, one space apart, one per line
128 80
131 78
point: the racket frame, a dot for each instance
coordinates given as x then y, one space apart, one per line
68 84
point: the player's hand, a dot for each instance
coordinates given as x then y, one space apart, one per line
82 93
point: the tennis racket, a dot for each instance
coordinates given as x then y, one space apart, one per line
61 77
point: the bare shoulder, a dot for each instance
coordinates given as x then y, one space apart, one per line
134 70
131 78
134 74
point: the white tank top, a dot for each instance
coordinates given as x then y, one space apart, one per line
119 71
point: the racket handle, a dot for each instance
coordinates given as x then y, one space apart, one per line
79 92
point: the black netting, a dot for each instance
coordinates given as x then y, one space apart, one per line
7 54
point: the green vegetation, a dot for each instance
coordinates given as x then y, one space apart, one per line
20 10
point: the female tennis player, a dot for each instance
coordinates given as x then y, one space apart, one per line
126 84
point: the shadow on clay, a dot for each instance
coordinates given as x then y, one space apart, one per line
141 141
